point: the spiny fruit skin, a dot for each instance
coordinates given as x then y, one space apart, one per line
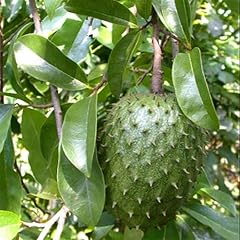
150 154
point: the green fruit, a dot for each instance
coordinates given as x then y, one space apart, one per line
150 154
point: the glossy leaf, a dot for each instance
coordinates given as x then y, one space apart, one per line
5 120
84 196
144 8
10 184
41 59
192 90
51 7
176 17
9 225
119 60
32 122
107 10
76 45
50 26
79 133
224 199
101 231
13 8
223 225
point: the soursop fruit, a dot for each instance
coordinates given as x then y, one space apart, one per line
151 155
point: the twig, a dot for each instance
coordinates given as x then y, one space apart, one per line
54 93
26 188
175 47
50 223
157 59
1 59
57 110
145 73
164 41
100 85
174 37
36 18
60 226
61 214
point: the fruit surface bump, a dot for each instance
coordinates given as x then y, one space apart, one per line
151 155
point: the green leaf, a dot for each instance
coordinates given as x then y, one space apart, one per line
171 231
51 7
144 8
13 8
100 232
107 10
10 184
119 60
11 65
41 59
84 196
9 225
50 26
185 231
79 133
133 233
176 17
224 199
5 120
192 91
105 37
32 122
233 5
152 234
76 45
225 226
48 137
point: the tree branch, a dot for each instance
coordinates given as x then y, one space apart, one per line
100 85
157 59
61 214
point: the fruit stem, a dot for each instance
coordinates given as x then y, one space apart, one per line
157 74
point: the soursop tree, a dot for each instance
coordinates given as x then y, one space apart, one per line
119 119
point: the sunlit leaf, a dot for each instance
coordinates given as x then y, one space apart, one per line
176 17
9 225
51 7
227 227
192 90
84 196
224 199
107 10
76 45
79 133
41 59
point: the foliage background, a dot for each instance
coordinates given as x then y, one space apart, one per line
215 32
